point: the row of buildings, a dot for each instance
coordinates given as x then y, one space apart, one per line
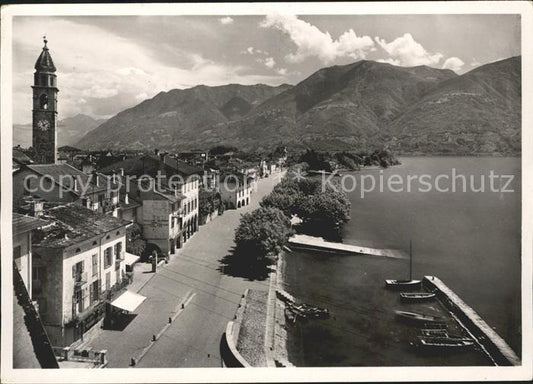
72 213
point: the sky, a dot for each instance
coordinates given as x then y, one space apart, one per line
106 64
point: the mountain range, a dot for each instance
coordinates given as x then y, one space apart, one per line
69 130
363 105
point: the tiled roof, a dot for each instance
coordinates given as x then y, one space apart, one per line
55 171
150 165
22 223
73 224
20 157
151 193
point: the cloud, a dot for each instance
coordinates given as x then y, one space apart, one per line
312 42
103 79
282 71
127 71
270 62
389 61
474 63
226 20
98 91
141 96
250 50
405 51
453 63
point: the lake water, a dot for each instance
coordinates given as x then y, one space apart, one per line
469 240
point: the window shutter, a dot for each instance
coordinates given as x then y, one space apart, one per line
82 266
74 270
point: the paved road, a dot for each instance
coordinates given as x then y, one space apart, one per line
193 338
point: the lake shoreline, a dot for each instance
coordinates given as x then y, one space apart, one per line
456 238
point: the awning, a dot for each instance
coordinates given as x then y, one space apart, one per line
131 259
128 301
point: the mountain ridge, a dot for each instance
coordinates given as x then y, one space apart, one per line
361 105
69 129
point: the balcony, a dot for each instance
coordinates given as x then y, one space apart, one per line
178 214
80 279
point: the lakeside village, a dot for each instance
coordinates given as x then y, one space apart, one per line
85 243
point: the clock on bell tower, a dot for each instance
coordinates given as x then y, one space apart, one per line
45 108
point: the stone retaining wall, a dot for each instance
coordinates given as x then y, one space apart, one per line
228 347
493 344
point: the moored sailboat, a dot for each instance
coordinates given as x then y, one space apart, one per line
399 284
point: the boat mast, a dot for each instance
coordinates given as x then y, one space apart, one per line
410 259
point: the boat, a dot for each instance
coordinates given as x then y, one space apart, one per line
434 332
291 318
402 284
417 296
444 342
435 326
418 317
398 284
307 311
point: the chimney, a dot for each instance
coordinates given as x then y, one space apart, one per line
36 208
156 152
126 199
122 172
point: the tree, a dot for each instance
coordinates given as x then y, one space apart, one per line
316 160
282 201
205 202
262 232
135 243
329 208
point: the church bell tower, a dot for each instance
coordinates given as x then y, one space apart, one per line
45 108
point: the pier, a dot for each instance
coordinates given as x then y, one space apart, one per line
492 343
319 244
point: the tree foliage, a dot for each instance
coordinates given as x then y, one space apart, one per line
135 243
311 201
208 202
329 208
262 232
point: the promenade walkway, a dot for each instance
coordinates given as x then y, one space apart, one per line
195 277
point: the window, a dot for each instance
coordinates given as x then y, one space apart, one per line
78 301
118 250
95 264
77 270
43 101
95 291
171 222
108 257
